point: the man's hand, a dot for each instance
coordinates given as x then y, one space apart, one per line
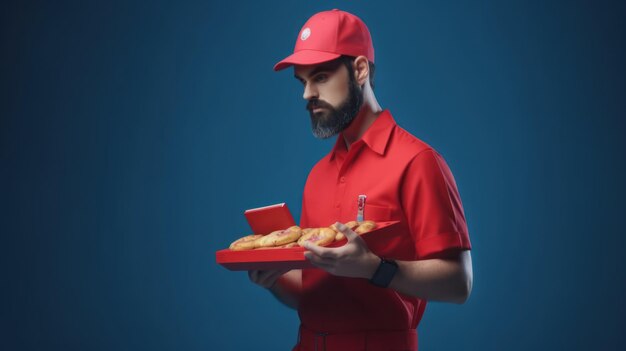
266 279
441 279
284 284
354 259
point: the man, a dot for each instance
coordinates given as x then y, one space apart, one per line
357 299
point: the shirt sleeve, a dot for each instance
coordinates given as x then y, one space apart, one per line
432 205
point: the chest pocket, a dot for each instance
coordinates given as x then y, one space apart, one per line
374 212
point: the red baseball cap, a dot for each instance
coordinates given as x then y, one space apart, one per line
328 35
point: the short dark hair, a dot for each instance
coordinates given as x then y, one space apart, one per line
348 60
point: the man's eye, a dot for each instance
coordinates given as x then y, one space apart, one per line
320 78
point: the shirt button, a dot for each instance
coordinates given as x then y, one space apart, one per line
342 179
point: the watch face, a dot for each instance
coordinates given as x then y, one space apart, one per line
384 274
388 269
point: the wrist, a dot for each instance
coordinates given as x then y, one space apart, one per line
370 266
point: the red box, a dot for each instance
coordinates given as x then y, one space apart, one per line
293 258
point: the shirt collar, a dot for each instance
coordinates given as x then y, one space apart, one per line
376 137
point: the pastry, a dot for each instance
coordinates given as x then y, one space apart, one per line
280 237
365 226
318 236
246 243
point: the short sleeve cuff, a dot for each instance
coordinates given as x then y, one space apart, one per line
433 245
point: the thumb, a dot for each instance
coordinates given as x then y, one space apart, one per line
349 233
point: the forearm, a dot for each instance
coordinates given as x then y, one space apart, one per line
447 280
287 288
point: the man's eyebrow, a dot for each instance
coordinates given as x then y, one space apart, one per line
317 70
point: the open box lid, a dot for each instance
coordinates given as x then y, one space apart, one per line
266 219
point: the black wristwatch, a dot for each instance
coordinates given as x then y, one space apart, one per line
384 274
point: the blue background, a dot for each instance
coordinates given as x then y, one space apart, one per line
133 135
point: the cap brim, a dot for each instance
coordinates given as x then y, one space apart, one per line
306 57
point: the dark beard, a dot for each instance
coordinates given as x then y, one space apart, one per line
331 122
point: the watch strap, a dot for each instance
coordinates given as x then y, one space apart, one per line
384 273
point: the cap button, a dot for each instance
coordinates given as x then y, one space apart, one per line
335 9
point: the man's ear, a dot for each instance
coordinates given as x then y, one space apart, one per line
361 70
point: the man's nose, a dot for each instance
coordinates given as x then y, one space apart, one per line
309 92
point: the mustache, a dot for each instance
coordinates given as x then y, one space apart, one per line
314 103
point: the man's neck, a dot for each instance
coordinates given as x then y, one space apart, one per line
363 120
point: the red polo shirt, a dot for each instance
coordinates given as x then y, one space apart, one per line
404 180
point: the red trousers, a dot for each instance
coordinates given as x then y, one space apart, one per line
388 340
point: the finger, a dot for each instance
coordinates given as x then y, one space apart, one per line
320 262
266 280
273 272
269 278
327 268
319 250
349 233
319 259
280 272
253 275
